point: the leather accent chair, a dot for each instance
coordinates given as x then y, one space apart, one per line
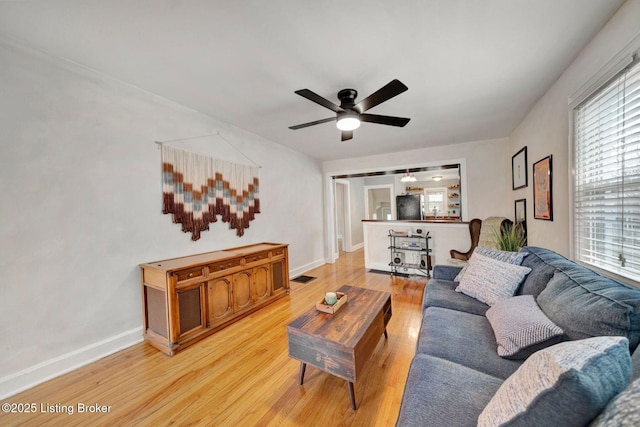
483 236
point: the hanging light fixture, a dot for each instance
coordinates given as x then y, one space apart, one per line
408 177
348 120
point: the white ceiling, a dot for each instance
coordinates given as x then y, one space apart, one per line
474 68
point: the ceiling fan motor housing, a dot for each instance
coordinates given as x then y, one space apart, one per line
347 98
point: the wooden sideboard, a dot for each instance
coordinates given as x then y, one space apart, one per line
186 299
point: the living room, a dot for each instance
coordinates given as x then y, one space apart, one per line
79 155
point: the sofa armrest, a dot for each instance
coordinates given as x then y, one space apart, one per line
445 272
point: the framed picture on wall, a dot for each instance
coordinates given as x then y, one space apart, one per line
542 189
520 215
519 169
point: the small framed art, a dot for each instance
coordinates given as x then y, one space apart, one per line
543 189
519 169
520 215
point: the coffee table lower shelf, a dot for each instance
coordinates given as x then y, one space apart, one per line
341 343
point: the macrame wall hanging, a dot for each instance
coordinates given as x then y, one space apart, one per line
196 189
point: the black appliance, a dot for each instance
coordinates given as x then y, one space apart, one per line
409 206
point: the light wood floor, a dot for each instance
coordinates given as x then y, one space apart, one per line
242 375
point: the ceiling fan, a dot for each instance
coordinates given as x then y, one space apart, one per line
349 114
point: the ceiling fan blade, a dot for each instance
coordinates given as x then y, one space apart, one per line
312 96
391 89
347 135
384 120
317 122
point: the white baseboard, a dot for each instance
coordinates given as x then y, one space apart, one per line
44 371
357 247
310 266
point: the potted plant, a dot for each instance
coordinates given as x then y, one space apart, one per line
511 238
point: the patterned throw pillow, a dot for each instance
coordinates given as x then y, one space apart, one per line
623 411
510 257
489 280
521 327
567 384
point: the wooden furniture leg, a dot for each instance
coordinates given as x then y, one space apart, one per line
352 395
303 367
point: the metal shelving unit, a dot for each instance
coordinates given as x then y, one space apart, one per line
401 244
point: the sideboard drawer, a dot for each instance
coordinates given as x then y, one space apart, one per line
223 265
188 274
257 257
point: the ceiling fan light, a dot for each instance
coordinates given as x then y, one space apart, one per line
348 121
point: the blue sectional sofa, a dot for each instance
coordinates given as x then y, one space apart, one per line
456 371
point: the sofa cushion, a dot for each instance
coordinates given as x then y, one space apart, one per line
446 272
635 362
541 271
567 384
586 304
514 258
463 338
441 293
623 410
521 328
489 280
439 392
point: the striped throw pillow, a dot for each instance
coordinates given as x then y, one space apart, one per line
521 327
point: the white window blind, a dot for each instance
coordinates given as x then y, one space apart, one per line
607 176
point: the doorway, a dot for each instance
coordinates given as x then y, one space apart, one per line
378 202
343 217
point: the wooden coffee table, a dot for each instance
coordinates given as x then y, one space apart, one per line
341 343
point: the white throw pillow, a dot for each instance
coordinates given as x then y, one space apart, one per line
566 385
506 256
489 280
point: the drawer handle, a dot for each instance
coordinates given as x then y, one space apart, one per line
190 274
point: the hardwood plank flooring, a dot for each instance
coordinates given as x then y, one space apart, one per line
242 375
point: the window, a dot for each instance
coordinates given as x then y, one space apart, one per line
435 201
607 176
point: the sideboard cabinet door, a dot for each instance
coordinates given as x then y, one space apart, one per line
220 301
278 277
261 282
191 310
242 291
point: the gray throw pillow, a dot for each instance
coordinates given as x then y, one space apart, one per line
521 327
566 385
514 258
623 411
489 280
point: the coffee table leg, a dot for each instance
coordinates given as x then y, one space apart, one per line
303 366
352 395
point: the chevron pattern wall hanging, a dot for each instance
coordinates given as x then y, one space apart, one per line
197 189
